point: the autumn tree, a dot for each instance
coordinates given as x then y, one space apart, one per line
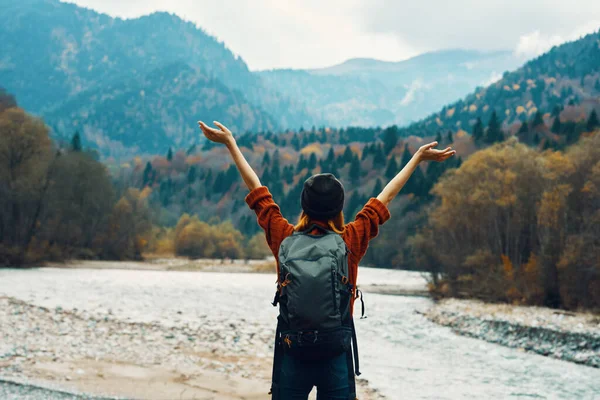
25 157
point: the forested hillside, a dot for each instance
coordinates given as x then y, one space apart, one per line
567 75
64 62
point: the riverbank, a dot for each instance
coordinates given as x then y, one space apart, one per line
155 263
568 336
80 352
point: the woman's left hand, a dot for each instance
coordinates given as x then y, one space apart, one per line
428 153
221 135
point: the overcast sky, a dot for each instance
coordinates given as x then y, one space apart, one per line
316 33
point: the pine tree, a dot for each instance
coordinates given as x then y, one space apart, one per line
208 180
494 133
231 176
219 183
288 174
170 155
365 153
536 139
312 161
191 149
556 125
478 131
334 171
348 155
301 164
330 160
76 142
296 142
147 177
556 111
406 156
352 206
417 184
449 138
438 138
392 168
191 177
592 122
355 170
524 128
379 157
266 177
266 159
378 188
538 120
390 139
323 138
275 168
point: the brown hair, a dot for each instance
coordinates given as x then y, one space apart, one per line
335 224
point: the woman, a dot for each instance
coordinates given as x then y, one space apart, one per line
322 200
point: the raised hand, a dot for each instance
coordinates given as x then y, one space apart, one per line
221 135
428 153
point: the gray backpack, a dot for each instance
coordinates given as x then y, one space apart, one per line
313 294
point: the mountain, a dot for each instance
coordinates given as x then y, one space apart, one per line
66 63
567 79
160 110
367 92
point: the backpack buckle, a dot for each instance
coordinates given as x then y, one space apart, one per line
315 336
286 281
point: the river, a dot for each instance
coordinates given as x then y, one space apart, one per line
402 354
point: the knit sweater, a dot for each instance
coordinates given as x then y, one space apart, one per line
357 234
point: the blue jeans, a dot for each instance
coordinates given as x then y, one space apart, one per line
330 377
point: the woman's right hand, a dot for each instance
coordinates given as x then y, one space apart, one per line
428 153
221 135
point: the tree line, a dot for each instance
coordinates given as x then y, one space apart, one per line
528 230
58 201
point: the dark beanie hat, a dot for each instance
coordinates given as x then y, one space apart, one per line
322 196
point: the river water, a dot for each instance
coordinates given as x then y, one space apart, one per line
402 354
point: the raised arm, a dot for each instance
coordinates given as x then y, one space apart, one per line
224 136
425 153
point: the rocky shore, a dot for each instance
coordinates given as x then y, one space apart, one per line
99 355
559 334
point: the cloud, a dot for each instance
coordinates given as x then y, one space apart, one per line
535 43
273 33
414 87
317 33
494 77
490 24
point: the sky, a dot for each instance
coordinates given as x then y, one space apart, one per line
319 33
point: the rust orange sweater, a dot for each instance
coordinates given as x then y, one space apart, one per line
356 235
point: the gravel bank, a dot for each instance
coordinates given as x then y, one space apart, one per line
563 335
14 391
101 355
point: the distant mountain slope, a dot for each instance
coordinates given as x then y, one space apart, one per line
53 52
150 114
369 92
567 74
